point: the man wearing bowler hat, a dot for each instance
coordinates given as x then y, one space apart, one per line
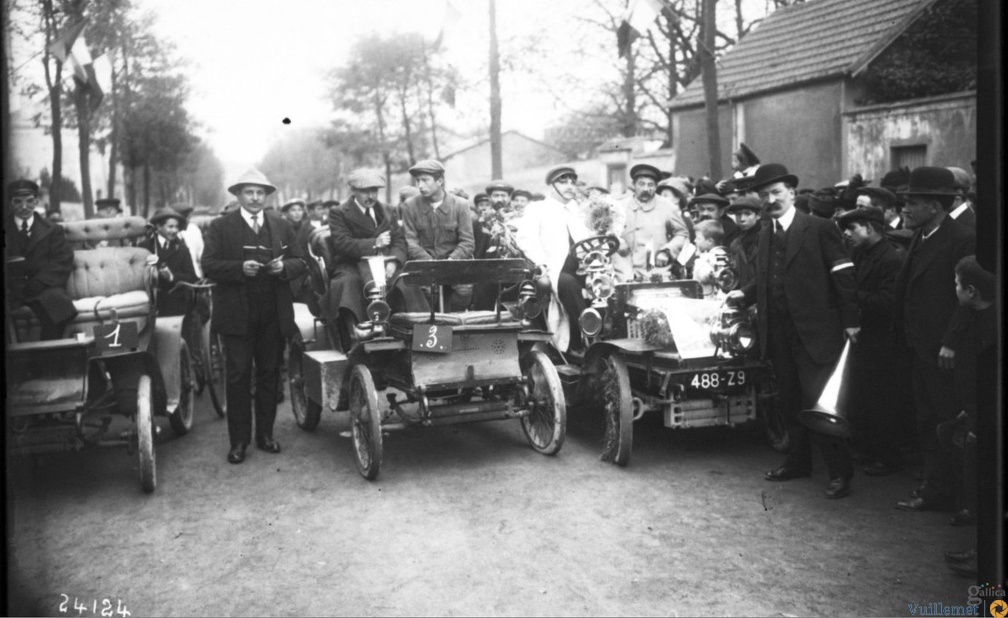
653 225
804 294
38 261
878 389
252 255
174 263
926 306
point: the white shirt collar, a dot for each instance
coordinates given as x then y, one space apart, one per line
261 217
30 220
787 218
959 210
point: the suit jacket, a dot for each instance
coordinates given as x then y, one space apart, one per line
222 263
179 261
925 288
743 253
42 277
731 230
818 285
445 233
875 271
352 234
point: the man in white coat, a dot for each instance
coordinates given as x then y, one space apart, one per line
547 231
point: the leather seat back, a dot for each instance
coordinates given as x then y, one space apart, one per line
122 231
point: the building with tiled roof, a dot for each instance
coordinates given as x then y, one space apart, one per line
807 87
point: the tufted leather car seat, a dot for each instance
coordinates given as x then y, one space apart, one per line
121 231
319 259
102 279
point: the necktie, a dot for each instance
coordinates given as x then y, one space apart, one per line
370 214
779 232
255 224
24 229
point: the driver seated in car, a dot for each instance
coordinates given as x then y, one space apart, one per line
548 229
654 232
361 228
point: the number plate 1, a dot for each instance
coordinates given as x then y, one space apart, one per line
436 338
118 337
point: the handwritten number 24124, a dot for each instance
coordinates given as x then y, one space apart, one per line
104 607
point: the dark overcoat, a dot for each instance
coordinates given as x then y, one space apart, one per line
222 263
818 285
172 300
41 279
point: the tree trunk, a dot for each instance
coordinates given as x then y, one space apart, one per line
113 138
673 79
738 20
430 102
407 127
55 98
84 148
630 95
146 190
709 71
496 159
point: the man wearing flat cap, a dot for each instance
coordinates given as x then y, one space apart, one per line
715 208
438 226
107 208
252 255
499 193
38 261
547 231
878 389
654 225
926 307
174 262
805 298
743 248
520 198
962 210
361 228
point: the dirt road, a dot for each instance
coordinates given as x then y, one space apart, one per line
464 520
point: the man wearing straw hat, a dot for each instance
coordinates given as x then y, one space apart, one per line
805 296
252 255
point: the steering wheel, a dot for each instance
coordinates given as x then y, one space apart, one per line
605 244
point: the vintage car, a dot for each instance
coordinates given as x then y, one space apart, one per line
659 345
118 366
436 367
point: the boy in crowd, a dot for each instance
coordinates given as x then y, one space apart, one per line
711 257
976 335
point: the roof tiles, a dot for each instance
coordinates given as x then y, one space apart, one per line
805 42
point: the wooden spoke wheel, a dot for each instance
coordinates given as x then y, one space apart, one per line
612 390
145 434
545 425
365 422
307 413
217 374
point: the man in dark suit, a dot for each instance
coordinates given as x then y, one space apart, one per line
361 228
877 383
39 261
926 305
804 294
252 255
174 263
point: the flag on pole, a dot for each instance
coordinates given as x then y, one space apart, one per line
451 18
639 16
71 49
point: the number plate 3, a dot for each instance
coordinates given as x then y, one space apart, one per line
436 338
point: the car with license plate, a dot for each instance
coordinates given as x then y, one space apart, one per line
434 367
659 345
